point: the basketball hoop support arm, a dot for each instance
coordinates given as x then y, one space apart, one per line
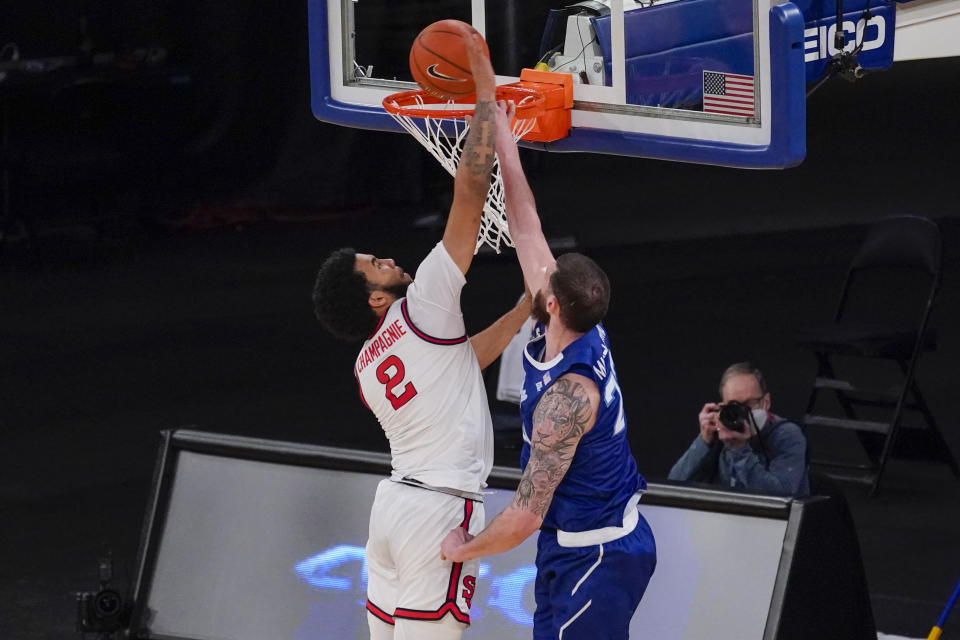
557 89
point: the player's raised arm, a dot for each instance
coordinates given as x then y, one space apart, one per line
565 413
473 175
490 343
533 253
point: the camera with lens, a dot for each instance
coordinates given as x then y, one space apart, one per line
735 415
103 611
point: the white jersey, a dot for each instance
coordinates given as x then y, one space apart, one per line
419 375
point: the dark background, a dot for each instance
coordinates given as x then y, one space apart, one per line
181 208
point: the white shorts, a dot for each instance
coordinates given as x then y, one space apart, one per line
406 577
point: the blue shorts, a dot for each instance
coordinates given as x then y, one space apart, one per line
591 592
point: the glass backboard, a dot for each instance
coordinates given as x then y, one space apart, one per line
708 81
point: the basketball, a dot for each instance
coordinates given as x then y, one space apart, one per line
439 62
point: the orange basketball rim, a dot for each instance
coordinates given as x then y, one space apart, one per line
543 102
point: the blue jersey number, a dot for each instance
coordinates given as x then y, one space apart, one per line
611 391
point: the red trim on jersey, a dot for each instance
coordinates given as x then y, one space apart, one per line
380 613
454 582
458 566
424 336
379 323
448 607
360 391
467 513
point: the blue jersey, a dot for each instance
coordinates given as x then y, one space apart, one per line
603 474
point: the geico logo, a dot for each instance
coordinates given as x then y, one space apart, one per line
818 41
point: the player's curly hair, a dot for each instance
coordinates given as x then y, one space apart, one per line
340 298
582 289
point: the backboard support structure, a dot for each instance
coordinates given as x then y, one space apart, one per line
641 89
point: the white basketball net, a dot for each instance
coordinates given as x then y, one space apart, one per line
444 138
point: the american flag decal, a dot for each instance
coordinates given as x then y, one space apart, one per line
728 93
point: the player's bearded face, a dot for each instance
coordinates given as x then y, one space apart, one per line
540 308
398 290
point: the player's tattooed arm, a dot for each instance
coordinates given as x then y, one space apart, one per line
472 180
564 414
478 150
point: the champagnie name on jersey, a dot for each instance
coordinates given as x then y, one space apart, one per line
389 335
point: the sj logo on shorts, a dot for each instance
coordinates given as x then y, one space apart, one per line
469 584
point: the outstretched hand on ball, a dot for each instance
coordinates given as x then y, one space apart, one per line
483 77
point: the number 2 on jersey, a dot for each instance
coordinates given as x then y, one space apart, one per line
394 379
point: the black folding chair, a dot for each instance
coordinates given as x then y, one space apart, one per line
882 314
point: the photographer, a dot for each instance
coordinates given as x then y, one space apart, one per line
742 444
